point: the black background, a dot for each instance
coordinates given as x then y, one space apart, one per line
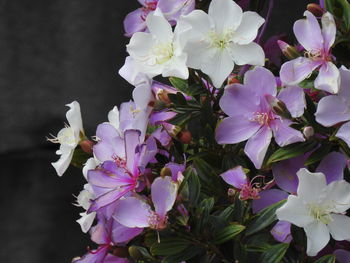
51 53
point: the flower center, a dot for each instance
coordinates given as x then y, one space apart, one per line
262 118
163 52
320 213
317 54
221 41
156 222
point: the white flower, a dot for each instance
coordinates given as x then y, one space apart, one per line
90 164
68 138
160 51
86 220
319 209
221 38
130 73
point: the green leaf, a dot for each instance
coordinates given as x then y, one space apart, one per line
194 186
180 119
275 253
228 233
170 246
137 252
79 158
326 259
318 155
186 254
179 84
264 218
340 9
291 151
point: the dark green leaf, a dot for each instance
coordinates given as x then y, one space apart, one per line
228 233
180 119
194 185
79 158
264 218
170 246
179 84
326 259
318 155
186 254
275 253
291 151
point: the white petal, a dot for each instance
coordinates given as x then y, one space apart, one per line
295 212
312 186
130 73
142 95
62 164
226 14
176 67
344 90
317 237
248 29
159 27
329 30
219 66
86 221
328 78
338 194
139 45
90 164
73 116
113 117
344 133
340 227
251 54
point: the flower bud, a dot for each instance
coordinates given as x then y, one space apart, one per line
135 253
278 107
86 146
231 192
288 50
163 96
165 172
315 9
308 132
185 136
232 79
121 252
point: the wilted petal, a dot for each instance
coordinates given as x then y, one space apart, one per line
257 145
267 198
285 173
344 133
296 70
235 177
164 192
295 211
308 32
332 166
134 22
132 212
311 185
235 129
329 30
281 232
226 14
317 237
251 54
294 99
248 29
328 78
339 227
332 110
284 134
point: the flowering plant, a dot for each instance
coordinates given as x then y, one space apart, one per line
241 151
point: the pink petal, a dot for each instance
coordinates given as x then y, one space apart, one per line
235 129
257 145
344 133
235 177
134 22
267 198
332 110
294 99
329 30
121 234
281 232
108 198
132 139
164 192
261 81
132 212
332 166
284 134
328 78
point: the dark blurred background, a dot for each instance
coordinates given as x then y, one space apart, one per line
51 53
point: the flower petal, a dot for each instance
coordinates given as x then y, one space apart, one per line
159 27
132 139
332 110
296 70
86 220
108 198
248 29
284 134
226 14
344 90
176 67
332 166
338 193
295 211
308 32
164 192
257 145
317 237
134 22
328 78
235 129
140 44
329 30
343 256
73 116
121 234
339 227
294 99
261 81
64 161
251 54
344 133
281 232
267 198
132 212
312 186
235 177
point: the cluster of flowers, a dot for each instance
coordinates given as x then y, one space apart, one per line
227 161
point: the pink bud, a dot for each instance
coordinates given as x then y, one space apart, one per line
308 132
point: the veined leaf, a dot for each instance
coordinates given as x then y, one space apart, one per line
275 253
170 246
228 233
326 259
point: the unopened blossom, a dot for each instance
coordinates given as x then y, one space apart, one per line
317 43
251 110
222 38
319 208
160 51
336 108
172 10
68 138
136 212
